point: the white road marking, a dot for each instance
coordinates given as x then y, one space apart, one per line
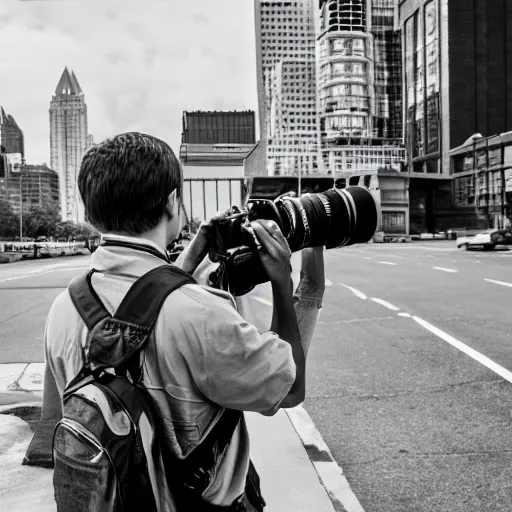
355 320
387 263
491 365
328 283
357 293
21 376
442 269
405 315
38 272
385 304
329 471
501 283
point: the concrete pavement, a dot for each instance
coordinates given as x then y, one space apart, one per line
290 479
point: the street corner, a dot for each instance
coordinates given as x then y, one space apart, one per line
20 383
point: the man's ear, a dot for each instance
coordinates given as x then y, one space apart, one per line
172 205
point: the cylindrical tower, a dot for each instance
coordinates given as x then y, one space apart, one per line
345 70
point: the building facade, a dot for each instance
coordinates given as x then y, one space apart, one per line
39 186
286 74
387 54
457 78
359 79
11 136
219 127
214 147
68 141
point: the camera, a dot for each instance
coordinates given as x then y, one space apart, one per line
332 219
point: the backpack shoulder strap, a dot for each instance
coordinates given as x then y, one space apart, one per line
139 310
86 301
142 303
145 298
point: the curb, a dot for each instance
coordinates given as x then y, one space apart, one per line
29 412
329 472
84 252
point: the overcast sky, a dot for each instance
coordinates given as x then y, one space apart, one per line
140 63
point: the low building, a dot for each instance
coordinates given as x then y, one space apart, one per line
39 187
482 178
212 154
391 192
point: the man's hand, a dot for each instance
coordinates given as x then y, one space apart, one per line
275 252
199 246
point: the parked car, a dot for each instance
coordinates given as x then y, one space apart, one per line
487 241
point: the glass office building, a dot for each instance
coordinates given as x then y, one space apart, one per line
422 87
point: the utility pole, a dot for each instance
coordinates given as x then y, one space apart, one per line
21 198
300 169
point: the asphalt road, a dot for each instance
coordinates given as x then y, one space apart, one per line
416 423
411 391
27 290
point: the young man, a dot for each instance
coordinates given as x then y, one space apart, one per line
203 355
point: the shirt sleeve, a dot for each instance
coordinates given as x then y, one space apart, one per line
242 369
307 302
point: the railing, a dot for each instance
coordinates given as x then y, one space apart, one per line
203 197
41 249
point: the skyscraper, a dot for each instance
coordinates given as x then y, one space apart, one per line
387 44
359 81
285 54
458 112
68 140
11 136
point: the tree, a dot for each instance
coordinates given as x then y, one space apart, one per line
40 221
9 221
70 230
64 230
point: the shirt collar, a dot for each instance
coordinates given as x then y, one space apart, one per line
135 243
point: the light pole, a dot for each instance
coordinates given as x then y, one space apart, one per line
21 198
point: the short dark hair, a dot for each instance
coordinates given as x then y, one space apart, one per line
125 183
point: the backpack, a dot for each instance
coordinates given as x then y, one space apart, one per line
105 447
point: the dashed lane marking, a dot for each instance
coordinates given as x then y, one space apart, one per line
357 293
491 365
501 283
442 269
387 263
328 470
385 304
477 356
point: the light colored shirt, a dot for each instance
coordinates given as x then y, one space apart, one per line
203 357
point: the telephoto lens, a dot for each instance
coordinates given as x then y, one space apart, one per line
334 218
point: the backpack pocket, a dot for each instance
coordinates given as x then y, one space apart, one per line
84 479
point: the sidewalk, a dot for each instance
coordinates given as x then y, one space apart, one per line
289 480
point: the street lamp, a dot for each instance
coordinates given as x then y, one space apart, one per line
21 198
